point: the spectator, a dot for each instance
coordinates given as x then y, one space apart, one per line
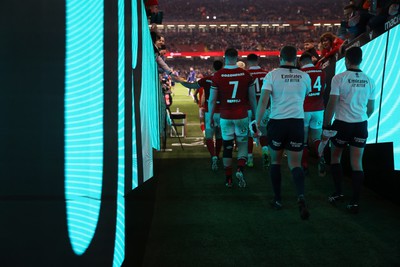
309 47
330 46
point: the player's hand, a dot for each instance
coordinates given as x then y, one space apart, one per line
254 131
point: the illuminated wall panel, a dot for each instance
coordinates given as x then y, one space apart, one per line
135 44
149 103
119 247
83 119
389 127
372 65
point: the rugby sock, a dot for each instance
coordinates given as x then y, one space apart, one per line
241 163
210 146
298 178
228 171
264 141
337 174
218 146
276 179
202 127
357 178
250 145
304 158
316 145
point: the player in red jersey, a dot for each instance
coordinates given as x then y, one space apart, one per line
210 130
258 74
234 88
313 110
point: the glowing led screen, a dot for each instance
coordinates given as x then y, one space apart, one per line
84 62
119 247
389 124
383 125
135 43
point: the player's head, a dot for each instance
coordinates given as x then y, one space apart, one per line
217 65
288 54
231 55
308 44
305 58
353 56
252 59
327 40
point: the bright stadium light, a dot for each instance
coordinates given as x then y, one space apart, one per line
317 24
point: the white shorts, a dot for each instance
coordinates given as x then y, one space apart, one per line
216 120
314 119
201 113
232 127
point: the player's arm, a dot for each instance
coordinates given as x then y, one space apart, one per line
194 85
330 110
370 107
252 98
212 100
262 105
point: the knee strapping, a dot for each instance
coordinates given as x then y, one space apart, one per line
228 148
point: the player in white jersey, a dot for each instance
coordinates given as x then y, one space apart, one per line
351 101
286 87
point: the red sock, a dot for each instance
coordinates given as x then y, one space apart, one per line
263 141
210 146
304 159
228 171
241 162
202 127
316 144
218 147
250 145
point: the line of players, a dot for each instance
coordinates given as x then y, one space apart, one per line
289 106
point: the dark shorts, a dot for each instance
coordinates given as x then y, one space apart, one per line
354 134
286 134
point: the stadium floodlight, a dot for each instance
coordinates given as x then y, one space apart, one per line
337 24
254 25
286 25
181 26
244 25
264 25
170 26
191 25
214 17
234 25
275 25
188 56
317 24
213 25
202 26
223 25
327 24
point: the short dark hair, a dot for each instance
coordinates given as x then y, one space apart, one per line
252 57
288 53
309 40
231 52
354 55
306 56
217 64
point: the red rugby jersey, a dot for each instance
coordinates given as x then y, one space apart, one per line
314 101
232 86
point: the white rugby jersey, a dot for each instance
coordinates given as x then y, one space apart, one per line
354 89
289 86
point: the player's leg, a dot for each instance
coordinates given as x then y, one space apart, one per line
218 136
357 145
250 145
294 146
241 132
209 133
315 135
264 140
275 140
227 131
304 159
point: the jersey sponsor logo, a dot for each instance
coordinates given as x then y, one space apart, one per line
290 78
357 82
294 144
233 74
233 101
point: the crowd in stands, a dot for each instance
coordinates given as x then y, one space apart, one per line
251 10
259 39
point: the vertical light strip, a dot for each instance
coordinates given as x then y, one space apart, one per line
149 102
135 44
119 247
84 89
